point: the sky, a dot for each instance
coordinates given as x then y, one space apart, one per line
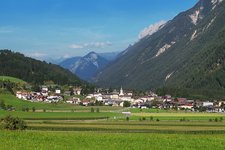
64 28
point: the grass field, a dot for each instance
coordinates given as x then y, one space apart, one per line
113 141
58 115
11 79
151 129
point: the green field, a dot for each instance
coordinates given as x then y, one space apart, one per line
66 126
113 141
11 79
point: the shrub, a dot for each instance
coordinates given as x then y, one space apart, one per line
92 109
126 104
11 123
27 109
143 118
183 119
157 120
97 110
216 120
127 118
2 105
151 118
33 109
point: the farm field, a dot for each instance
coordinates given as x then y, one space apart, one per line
65 126
58 115
110 141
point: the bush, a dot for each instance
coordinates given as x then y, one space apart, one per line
11 123
151 118
157 120
127 118
92 109
216 120
33 109
126 104
97 110
2 105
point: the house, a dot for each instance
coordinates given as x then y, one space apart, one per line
130 93
207 104
186 106
23 95
77 91
19 94
114 95
126 98
181 101
86 102
74 100
57 91
44 89
90 96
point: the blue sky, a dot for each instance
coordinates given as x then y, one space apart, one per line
65 28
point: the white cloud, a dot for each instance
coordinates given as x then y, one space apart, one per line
90 45
76 46
151 29
66 56
37 55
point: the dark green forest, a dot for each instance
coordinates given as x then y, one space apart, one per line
34 71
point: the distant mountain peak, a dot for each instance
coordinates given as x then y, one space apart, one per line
92 56
87 66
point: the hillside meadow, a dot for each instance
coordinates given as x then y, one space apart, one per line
12 79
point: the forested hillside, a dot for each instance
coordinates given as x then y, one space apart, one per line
34 71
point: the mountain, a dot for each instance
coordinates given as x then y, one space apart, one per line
110 56
34 71
68 63
85 67
187 53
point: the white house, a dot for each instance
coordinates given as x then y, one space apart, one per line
207 104
58 91
77 91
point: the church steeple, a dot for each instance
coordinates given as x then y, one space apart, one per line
121 91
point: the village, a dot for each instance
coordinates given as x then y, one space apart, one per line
120 98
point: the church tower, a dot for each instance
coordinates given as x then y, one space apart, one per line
121 91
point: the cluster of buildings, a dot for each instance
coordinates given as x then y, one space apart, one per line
122 98
151 100
45 95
